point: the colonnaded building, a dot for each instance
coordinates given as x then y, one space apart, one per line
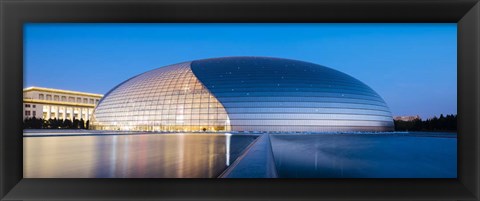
49 103
243 94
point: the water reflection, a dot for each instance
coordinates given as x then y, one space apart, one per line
132 156
366 156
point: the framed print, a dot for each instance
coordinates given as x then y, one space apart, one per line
208 100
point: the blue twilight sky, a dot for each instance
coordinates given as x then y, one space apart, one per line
412 66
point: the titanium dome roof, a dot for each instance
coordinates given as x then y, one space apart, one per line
243 94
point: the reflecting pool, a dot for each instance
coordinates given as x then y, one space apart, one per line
132 156
412 155
194 155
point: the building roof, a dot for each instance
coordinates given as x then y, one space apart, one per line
42 89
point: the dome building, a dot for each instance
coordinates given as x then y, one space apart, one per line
244 94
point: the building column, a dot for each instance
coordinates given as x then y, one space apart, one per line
79 116
73 113
66 109
88 114
58 114
49 113
64 113
83 111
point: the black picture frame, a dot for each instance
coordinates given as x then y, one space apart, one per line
15 13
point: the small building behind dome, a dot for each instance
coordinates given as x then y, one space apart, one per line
243 94
48 103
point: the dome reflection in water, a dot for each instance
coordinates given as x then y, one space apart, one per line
132 156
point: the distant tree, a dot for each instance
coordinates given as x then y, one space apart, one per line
81 124
51 123
67 123
45 123
56 123
37 123
87 124
442 123
75 123
26 123
62 123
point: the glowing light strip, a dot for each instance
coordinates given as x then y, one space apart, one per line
61 91
57 103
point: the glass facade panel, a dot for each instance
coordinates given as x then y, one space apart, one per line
137 104
270 94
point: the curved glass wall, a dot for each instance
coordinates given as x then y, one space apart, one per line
243 94
270 94
165 99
